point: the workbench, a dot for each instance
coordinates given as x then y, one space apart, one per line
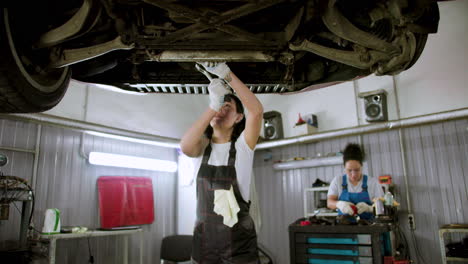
337 243
52 239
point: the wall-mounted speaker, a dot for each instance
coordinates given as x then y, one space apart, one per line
3 160
375 105
272 125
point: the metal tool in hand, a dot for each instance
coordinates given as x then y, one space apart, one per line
204 71
208 75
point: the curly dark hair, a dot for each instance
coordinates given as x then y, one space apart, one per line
353 151
239 127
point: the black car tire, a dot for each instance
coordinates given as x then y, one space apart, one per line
421 40
22 91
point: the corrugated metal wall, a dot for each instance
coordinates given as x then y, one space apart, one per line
436 157
67 181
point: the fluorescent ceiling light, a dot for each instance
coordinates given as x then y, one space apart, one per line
124 161
135 140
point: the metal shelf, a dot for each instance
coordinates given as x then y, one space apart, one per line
306 204
450 229
52 241
457 259
309 163
91 233
315 189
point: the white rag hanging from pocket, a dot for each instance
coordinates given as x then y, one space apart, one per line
225 204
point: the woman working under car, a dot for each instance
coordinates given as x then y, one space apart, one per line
222 141
352 193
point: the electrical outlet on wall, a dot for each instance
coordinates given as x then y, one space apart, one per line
411 221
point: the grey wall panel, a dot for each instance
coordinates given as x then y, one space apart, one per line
19 164
462 136
67 181
17 134
437 174
437 168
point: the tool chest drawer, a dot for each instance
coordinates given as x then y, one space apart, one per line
347 239
337 244
324 259
341 250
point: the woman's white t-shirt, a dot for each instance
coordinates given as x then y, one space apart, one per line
373 187
244 162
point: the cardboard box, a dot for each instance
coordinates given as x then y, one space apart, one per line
309 127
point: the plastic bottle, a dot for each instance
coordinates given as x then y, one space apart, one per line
388 197
379 207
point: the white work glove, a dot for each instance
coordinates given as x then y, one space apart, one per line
219 68
217 90
363 208
345 207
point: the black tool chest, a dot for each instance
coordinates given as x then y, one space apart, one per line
338 244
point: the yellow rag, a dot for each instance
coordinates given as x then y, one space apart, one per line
225 204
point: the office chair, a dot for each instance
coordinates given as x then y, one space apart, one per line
176 248
264 257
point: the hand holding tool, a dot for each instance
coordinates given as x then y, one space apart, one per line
363 208
217 90
218 68
204 72
345 207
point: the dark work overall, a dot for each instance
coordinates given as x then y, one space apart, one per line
356 198
214 242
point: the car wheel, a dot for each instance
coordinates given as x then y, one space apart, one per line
26 83
421 40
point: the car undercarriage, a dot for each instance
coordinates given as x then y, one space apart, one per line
151 46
